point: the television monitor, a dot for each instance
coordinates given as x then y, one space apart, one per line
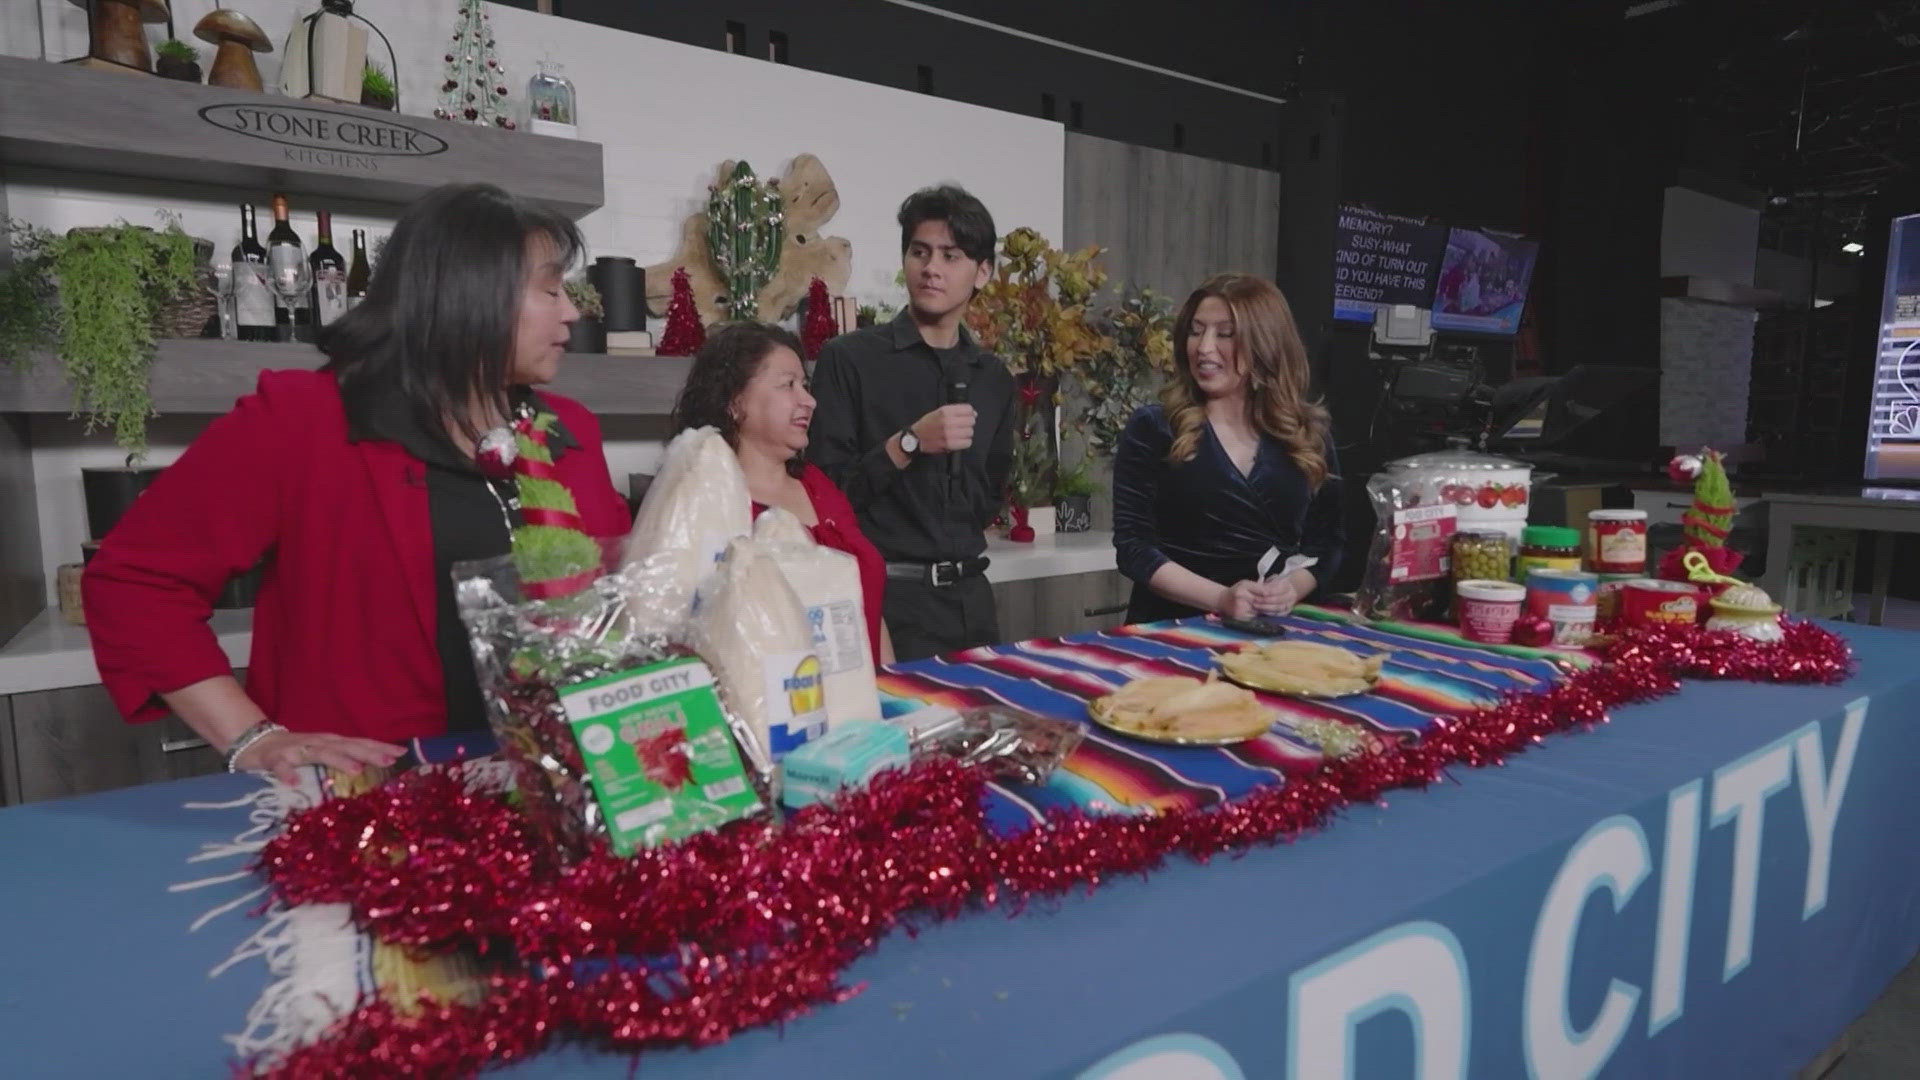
1893 432
1483 280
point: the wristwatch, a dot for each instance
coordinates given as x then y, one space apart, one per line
909 443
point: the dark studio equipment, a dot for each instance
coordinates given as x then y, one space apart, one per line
1432 390
1594 417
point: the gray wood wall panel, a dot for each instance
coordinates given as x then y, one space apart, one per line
72 741
9 767
1169 220
1058 606
23 588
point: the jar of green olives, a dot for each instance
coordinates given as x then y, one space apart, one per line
1483 556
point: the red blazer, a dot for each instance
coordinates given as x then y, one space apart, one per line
839 528
343 630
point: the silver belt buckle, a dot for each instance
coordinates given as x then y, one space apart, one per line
943 580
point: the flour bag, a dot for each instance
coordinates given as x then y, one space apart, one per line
748 624
828 585
697 504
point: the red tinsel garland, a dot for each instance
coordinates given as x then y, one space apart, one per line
755 924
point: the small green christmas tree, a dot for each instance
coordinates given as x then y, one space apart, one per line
1709 521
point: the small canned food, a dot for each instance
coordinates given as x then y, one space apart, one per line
1650 602
1567 599
1607 596
1617 541
1481 556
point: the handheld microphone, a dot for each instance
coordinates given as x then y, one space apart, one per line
956 395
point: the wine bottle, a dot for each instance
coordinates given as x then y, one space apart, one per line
329 276
357 275
252 299
289 274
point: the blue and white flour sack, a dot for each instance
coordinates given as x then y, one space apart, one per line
827 581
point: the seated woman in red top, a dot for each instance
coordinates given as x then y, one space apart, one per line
356 483
748 383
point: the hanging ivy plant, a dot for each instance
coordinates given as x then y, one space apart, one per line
92 297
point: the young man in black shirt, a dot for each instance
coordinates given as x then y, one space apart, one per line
915 423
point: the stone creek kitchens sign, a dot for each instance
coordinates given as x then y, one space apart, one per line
321 137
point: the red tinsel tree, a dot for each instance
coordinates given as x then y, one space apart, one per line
684 335
820 327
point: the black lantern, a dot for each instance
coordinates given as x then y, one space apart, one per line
309 25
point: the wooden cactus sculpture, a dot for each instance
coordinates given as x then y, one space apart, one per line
745 231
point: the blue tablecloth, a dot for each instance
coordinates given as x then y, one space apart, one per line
1514 918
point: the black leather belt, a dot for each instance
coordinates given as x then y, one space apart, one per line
939 574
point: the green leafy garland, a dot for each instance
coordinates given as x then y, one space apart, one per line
92 297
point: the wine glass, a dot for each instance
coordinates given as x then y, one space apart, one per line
290 278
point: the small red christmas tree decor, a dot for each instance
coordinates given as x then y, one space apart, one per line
684 335
821 327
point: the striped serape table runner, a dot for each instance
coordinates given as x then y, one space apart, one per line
1430 671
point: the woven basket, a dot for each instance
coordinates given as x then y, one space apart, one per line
187 316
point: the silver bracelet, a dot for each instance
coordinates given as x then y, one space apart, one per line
247 738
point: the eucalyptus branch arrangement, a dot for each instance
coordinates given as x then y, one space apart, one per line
1129 371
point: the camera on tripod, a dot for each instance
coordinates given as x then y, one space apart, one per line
1434 391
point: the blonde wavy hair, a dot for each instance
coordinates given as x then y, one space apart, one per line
1267 343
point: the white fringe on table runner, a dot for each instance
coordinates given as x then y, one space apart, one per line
320 965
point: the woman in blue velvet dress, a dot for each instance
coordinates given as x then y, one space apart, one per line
1234 460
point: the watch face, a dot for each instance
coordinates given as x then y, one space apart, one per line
909 442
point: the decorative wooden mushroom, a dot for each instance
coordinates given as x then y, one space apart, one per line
115 35
237 38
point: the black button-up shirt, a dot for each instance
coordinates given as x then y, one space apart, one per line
874 383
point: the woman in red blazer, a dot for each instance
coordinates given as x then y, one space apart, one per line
747 382
356 484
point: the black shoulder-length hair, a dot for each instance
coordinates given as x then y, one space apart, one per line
721 369
437 323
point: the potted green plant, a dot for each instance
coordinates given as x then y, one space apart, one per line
376 88
175 59
1073 492
589 334
98 298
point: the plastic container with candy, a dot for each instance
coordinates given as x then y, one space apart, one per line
1487 492
1419 503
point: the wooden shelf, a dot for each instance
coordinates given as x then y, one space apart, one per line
205 376
64 116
